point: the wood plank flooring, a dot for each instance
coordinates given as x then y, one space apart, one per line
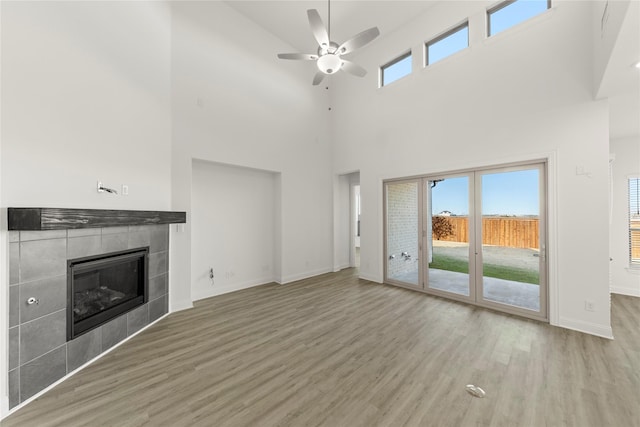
338 351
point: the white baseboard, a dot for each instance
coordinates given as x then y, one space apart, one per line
231 288
245 285
4 407
179 306
72 373
632 292
603 331
341 267
305 275
370 278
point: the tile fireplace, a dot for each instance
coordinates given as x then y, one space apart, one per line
44 251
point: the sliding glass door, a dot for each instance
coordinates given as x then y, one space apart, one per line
448 254
510 231
477 236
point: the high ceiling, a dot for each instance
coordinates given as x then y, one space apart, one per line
621 81
287 19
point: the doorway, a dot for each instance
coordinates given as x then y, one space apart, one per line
355 224
475 236
347 221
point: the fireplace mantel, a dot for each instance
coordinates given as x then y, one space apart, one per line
63 219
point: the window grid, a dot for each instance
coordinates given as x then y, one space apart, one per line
634 221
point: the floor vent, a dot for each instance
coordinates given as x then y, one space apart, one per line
475 391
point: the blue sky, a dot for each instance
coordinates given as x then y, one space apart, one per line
502 19
397 70
515 13
451 195
511 193
506 193
449 45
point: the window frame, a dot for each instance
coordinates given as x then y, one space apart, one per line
442 36
633 262
394 61
501 6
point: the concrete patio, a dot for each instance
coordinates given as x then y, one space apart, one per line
523 295
517 294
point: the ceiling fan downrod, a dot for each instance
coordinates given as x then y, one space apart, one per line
329 19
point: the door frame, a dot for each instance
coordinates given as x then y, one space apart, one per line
476 261
543 314
471 232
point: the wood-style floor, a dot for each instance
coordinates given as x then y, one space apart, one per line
338 351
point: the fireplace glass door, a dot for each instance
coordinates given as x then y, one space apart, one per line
103 287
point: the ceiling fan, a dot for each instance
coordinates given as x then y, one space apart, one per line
329 57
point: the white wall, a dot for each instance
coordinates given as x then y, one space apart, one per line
624 280
85 96
234 226
524 94
607 20
4 277
234 102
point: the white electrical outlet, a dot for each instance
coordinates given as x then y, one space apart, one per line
589 305
125 190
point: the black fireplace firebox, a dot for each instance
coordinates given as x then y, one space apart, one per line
102 287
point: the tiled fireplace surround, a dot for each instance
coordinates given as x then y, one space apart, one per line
39 354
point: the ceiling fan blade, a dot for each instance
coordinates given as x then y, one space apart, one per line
301 56
317 28
353 68
359 40
317 79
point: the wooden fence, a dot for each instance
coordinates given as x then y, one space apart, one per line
500 231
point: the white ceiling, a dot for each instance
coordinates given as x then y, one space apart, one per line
287 19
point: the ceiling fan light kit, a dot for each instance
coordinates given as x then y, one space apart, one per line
329 58
329 63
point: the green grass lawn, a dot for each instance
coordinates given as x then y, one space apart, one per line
443 262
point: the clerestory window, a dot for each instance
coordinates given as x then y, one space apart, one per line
447 44
509 13
395 69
